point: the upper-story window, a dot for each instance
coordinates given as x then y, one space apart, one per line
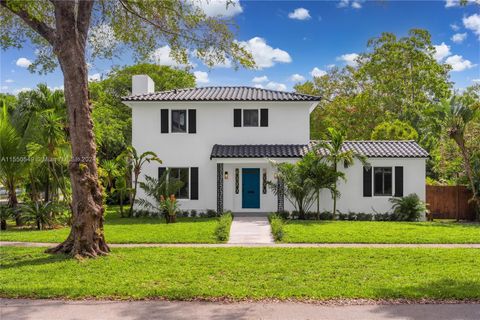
250 117
179 120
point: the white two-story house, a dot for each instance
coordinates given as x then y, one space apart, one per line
219 141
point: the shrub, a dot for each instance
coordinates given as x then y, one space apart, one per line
211 213
408 208
276 223
361 216
193 213
325 215
5 214
342 216
222 231
284 214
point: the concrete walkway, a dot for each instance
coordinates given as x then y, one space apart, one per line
250 228
258 245
145 310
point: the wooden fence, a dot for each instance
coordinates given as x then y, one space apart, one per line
450 202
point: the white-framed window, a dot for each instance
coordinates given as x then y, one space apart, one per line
179 121
182 174
250 118
382 181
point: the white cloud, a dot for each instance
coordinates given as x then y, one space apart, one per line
4 88
451 3
441 51
458 63
454 27
299 14
9 81
259 86
349 58
473 23
264 55
219 8
17 91
56 88
459 37
330 66
456 3
297 78
201 76
343 3
356 5
260 79
162 56
94 77
316 72
276 86
476 80
23 62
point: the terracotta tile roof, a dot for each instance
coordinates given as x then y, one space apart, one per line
370 149
222 94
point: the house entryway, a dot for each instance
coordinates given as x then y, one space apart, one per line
250 188
250 228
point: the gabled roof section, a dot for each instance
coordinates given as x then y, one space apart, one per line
369 149
222 94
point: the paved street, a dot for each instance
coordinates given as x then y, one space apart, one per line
146 310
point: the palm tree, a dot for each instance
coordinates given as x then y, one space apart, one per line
334 153
159 190
110 170
298 187
321 175
136 163
13 158
41 213
458 116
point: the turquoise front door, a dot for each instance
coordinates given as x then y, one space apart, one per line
251 188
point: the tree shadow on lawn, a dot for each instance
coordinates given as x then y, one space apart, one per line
444 289
22 260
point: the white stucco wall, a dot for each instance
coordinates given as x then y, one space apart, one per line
351 190
288 123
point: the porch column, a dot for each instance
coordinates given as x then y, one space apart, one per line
219 188
280 196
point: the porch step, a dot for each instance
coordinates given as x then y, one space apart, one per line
250 229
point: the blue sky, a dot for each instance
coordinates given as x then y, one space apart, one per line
291 40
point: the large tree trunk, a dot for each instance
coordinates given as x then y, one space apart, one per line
86 238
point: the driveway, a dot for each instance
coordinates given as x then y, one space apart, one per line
145 310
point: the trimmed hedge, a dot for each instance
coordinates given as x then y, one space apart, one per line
222 231
276 223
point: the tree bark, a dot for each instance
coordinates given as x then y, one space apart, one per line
13 203
86 238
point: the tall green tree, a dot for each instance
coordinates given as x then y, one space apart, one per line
333 152
459 115
61 31
13 159
395 130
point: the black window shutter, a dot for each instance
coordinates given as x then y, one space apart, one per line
367 181
161 171
237 117
398 181
194 183
192 121
164 120
263 117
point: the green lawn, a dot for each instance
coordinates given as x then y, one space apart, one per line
380 232
184 273
130 230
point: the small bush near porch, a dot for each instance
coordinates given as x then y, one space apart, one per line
131 230
296 231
